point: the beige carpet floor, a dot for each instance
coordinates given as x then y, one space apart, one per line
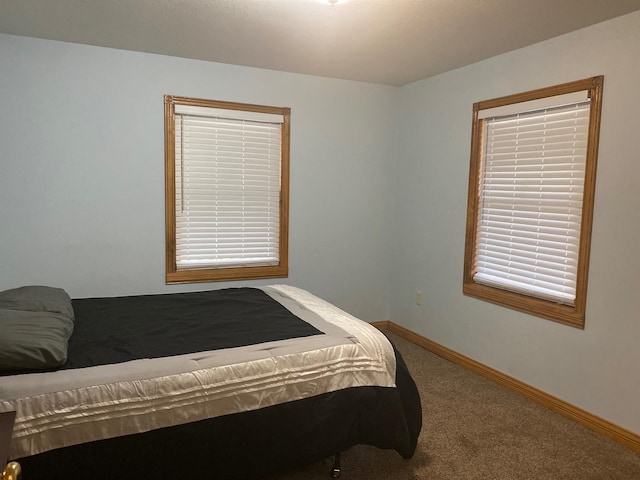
475 429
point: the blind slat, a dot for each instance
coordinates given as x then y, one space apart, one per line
227 190
532 183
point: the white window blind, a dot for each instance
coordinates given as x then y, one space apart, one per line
227 172
531 192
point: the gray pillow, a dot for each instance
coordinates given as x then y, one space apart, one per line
33 340
37 299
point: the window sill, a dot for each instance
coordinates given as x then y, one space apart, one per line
220 274
564 314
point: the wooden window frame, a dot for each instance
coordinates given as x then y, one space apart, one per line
570 315
173 275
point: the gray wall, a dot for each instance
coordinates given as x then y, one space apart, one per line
82 171
595 368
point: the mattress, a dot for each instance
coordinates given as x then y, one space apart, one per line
95 403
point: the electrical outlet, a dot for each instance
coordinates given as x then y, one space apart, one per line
418 297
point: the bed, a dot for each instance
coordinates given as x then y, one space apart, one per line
233 383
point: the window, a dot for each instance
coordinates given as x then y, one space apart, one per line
226 190
530 204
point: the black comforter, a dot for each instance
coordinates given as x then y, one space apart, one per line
237 446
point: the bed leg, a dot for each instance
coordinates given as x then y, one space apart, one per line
335 471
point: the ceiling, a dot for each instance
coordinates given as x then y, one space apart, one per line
392 42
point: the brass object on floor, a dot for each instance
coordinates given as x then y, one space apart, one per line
11 472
